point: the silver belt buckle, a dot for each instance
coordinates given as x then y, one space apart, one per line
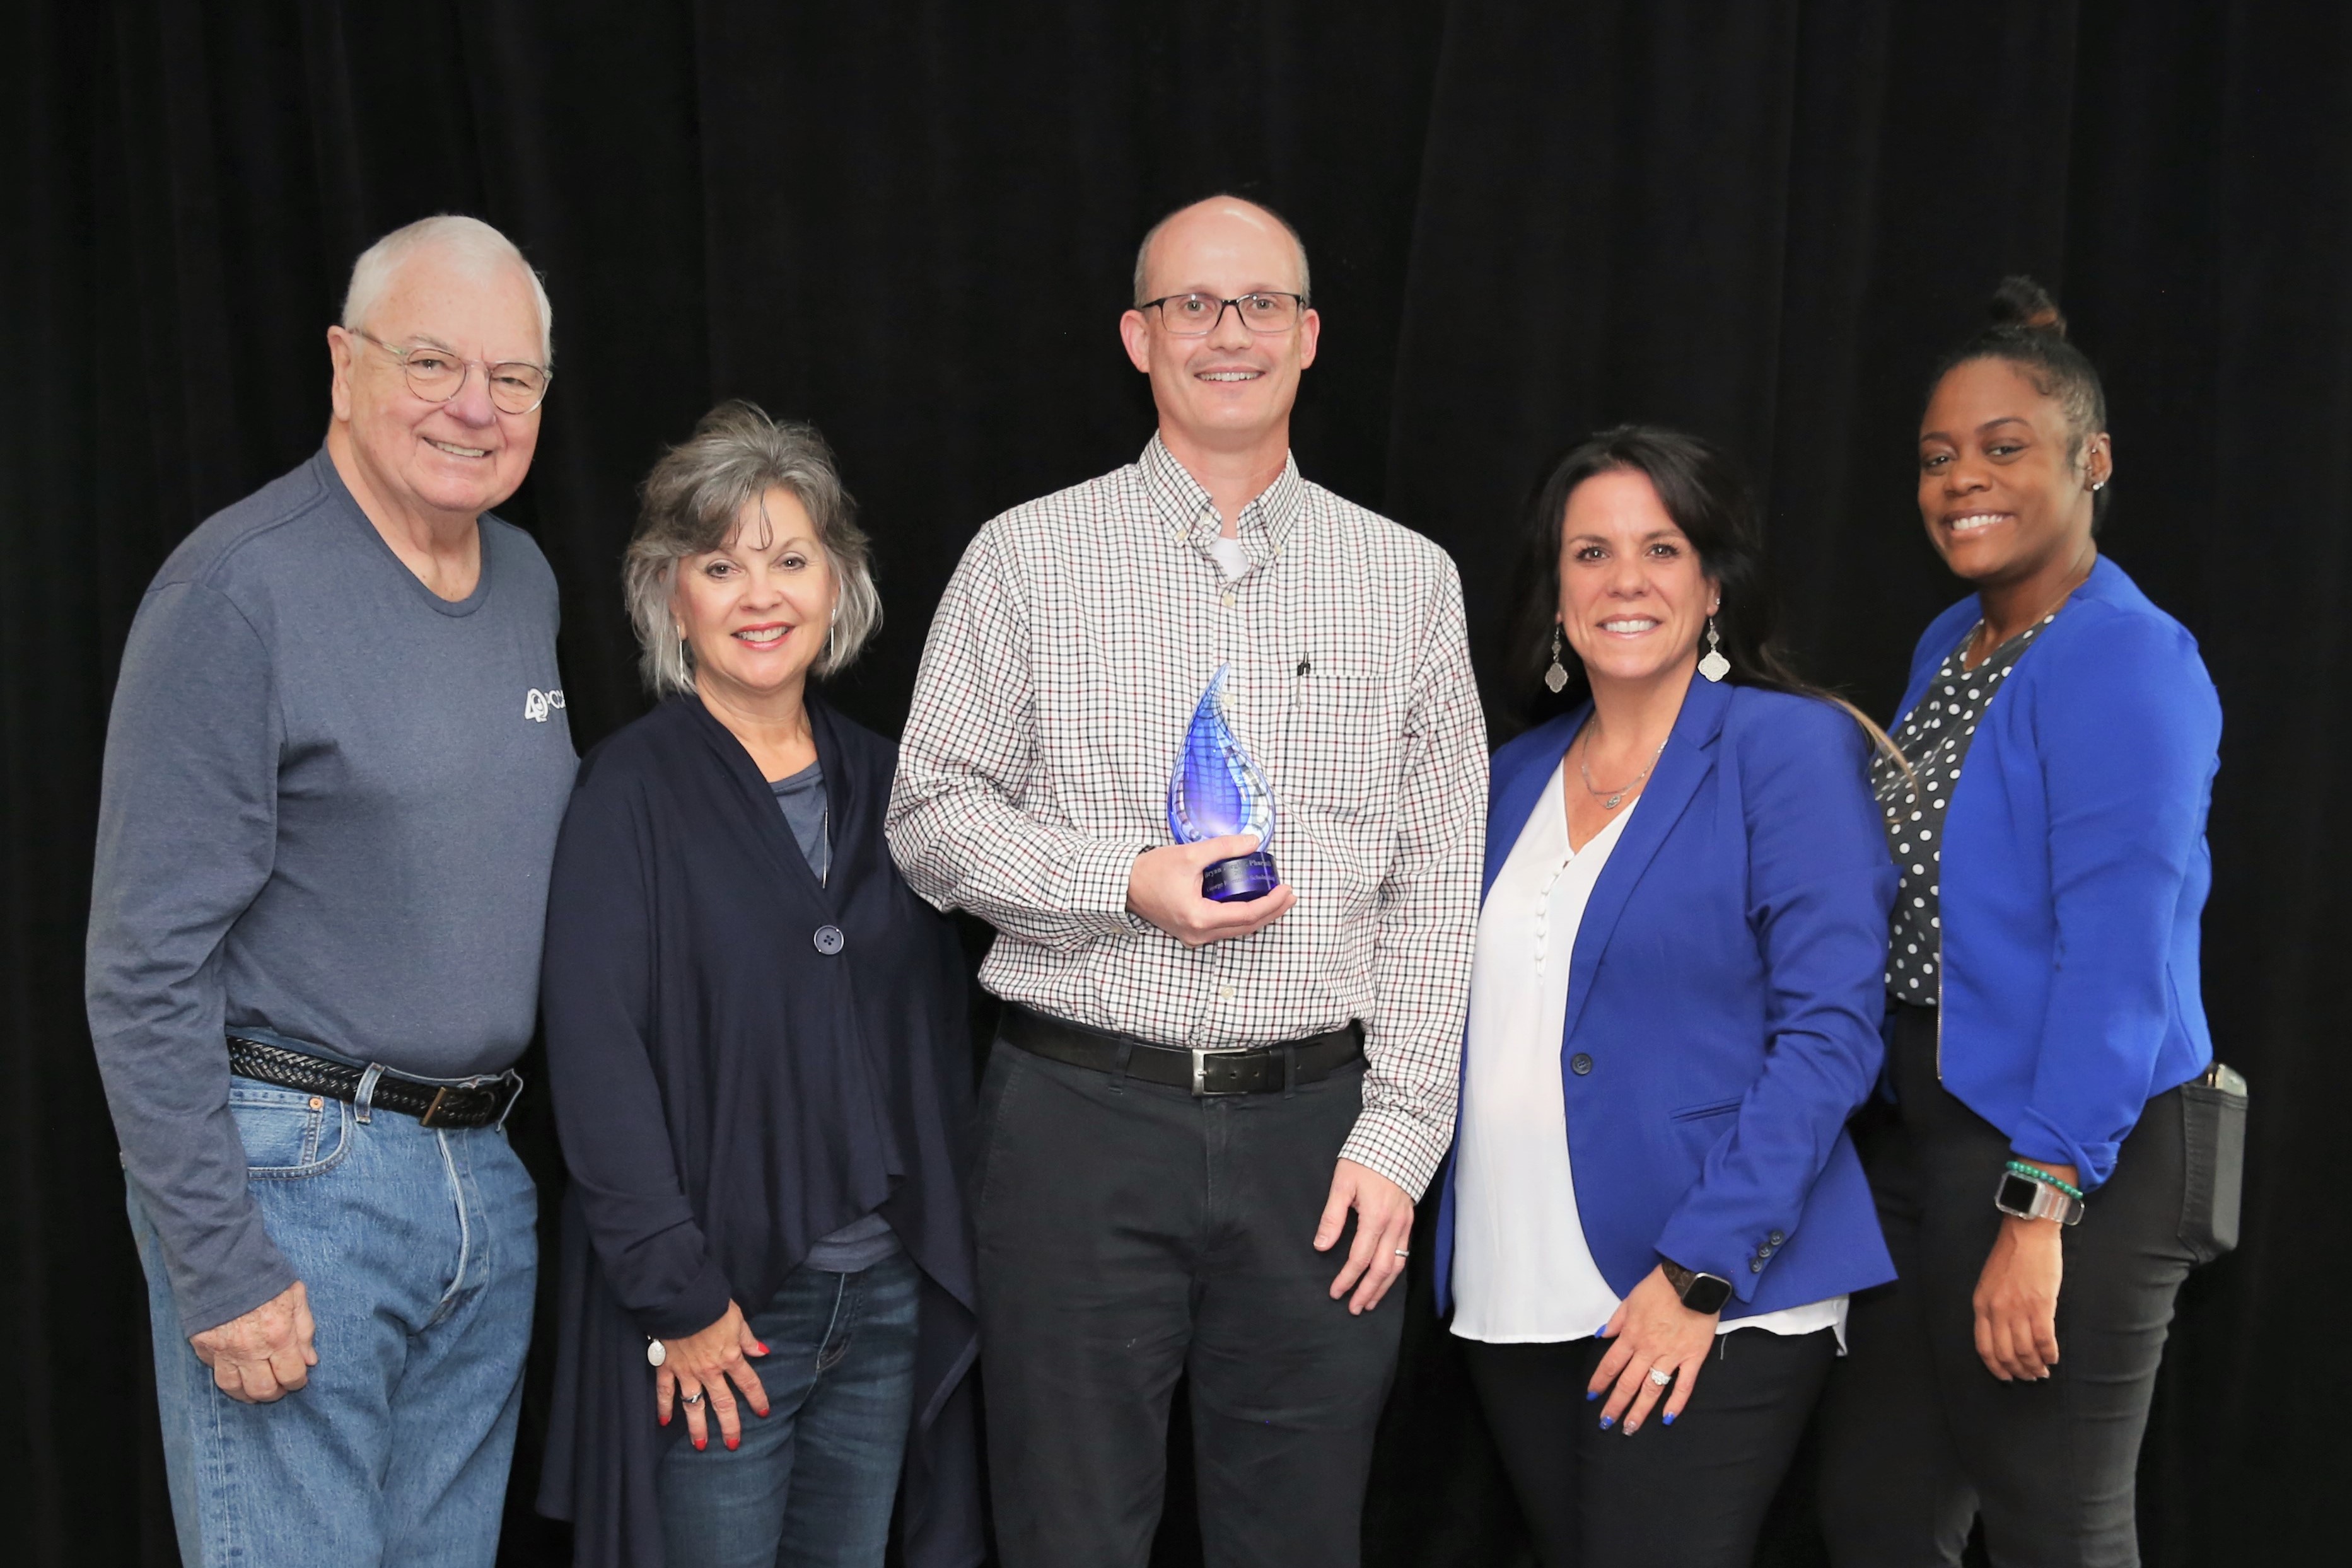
1199 1072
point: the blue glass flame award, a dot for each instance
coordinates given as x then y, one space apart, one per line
1215 790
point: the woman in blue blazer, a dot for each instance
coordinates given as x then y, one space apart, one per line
1675 1009
2043 997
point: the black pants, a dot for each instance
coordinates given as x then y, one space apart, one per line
1130 1233
1691 1495
1918 1437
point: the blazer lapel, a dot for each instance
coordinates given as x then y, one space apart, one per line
1515 794
1685 764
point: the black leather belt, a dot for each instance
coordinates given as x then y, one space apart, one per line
1260 1070
477 1103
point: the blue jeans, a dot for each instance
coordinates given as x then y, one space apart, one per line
813 1484
418 1250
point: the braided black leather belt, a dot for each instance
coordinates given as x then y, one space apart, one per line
478 1103
1259 1070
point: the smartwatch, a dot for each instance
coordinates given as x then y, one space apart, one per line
2028 1199
1700 1293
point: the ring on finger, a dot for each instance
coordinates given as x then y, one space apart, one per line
694 1398
1661 1376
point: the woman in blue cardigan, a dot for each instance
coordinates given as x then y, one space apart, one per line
761 1072
2044 1009
1653 1206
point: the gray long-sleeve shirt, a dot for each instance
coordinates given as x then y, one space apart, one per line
330 801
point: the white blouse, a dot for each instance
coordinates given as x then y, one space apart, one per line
1522 1272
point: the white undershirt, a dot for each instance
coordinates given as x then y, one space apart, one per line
1522 1270
1232 556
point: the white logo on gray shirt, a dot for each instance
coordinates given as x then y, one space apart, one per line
536 706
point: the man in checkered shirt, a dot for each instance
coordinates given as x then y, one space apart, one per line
1180 1085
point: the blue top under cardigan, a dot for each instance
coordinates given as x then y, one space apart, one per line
1724 1000
2074 875
743 1060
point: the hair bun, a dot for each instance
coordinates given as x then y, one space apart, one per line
2023 304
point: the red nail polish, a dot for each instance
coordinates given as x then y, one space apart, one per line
665 1420
763 1350
699 1443
734 1443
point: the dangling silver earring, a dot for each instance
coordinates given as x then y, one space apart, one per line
1714 666
1557 677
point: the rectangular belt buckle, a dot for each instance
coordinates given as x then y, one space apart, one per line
1200 1075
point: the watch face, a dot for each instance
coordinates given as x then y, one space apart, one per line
2017 1194
1706 1294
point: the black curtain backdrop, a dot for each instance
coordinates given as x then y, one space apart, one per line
912 222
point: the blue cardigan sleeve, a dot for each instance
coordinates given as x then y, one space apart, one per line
2128 742
1820 885
596 996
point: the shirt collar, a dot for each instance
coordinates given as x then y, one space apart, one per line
1179 501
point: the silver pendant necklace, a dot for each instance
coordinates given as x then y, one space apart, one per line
1610 800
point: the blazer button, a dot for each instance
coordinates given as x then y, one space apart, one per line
829 940
1755 1266
1579 1064
1778 1239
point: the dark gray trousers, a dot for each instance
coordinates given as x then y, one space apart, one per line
1128 1234
1918 1438
1691 1495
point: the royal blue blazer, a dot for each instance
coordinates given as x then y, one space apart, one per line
2074 874
1724 1002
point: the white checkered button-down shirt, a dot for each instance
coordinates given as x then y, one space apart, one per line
1062 670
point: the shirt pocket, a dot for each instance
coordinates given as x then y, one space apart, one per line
1339 736
288 1135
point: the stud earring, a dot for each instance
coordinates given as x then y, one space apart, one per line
1714 666
1555 677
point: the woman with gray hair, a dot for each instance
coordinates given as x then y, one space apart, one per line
761 1068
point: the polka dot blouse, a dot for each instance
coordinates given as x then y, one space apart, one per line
1933 738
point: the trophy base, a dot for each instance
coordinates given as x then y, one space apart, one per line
1240 879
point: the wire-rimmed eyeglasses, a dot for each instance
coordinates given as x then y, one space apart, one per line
1197 315
437 374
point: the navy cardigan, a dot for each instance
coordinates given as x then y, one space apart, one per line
1724 1002
742 1061
2074 874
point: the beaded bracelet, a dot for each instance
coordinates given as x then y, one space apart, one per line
2037 1174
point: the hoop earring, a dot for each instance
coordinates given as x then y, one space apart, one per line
1714 666
1555 677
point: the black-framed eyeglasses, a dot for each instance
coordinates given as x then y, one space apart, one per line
1197 315
438 375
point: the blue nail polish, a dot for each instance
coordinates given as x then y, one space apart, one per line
1601 1332
1590 1394
1607 1422
1670 1418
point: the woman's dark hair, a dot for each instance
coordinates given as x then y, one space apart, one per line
1708 498
2025 328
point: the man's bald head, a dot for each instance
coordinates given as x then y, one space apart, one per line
1226 208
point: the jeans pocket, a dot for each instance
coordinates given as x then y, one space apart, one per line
2213 1139
286 1133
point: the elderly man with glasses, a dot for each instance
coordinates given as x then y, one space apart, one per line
336 766
1227 1063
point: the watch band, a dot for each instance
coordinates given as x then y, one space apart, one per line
2030 1199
